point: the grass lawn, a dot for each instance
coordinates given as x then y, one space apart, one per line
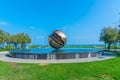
4 50
99 70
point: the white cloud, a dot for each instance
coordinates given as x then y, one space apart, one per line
65 28
31 27
3 23
39 37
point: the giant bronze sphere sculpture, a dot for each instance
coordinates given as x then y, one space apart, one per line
57 39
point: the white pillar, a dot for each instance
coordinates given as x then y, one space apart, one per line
76 56
89 55
48 56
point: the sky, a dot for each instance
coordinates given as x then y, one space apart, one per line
80 20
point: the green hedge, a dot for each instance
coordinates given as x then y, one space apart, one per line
34 46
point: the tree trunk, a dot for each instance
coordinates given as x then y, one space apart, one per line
109 46
20 46
2 45
23 46
105 46
15 44
115 46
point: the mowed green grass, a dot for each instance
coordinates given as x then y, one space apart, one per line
99 70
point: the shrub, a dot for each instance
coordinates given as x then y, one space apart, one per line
34 46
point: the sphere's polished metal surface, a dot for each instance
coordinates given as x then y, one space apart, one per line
57 39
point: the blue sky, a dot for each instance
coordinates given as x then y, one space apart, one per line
81 20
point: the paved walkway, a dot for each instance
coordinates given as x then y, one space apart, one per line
8 59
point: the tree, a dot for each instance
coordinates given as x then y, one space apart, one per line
109 36
13 40
2 38
119 35
23 39
7 38
27 39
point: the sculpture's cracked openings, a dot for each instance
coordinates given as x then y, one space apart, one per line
57 39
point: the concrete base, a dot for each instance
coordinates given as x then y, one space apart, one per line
3 57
